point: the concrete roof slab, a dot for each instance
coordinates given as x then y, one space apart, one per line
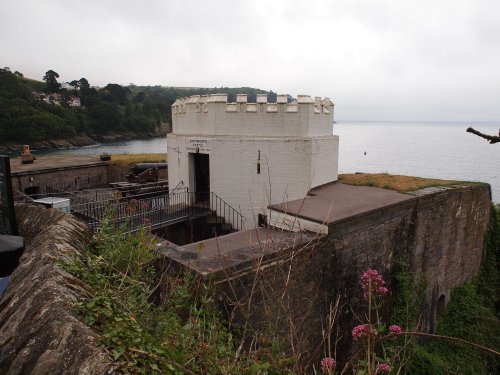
233 250
334 202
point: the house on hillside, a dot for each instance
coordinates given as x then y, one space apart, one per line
56 99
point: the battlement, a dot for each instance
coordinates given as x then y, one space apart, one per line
214 115
201 103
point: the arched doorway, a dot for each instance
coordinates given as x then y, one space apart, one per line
441 304
32 191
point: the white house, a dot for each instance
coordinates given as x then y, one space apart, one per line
252 154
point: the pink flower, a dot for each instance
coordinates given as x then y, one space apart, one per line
363 330
328 364
373 276
383 368
382 291
394 329
372 282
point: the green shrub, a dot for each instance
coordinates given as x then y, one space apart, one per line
185 335
422 362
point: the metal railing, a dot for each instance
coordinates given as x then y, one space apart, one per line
158 211
74 198
153 206
20 197
50 191
226 214
133 212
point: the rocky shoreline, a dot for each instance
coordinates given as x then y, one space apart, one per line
78 141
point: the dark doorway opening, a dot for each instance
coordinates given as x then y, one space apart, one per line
33 191
202 177
262 220
441 305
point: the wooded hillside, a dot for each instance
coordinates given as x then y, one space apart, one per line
25 117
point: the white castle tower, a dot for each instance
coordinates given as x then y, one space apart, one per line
252 154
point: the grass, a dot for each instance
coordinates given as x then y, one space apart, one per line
398 183
129 159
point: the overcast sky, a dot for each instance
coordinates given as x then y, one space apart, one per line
377 59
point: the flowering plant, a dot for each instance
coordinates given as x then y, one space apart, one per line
363 330
328 365
374 331
383 368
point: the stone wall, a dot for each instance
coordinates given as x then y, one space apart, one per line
440 234
69 178
290 292
118 172
40 332
73 178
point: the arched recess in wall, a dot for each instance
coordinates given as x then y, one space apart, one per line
441 304
32 191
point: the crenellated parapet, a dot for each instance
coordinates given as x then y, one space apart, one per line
213 114
202 103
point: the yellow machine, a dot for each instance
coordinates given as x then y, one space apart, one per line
26 157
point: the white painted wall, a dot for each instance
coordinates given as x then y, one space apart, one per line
284 172
324 159
290 166
297 148
213 116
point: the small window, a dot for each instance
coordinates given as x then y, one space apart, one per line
258 163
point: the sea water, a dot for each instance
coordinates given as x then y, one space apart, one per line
425 149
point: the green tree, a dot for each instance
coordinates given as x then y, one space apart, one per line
51 84
116 93
76 86
84 84
88 95
139 98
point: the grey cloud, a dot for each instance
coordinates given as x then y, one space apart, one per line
377 59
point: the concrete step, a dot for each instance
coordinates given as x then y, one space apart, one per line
215 220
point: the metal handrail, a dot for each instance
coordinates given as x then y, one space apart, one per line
131 213
178 188
75 199
158 209
225 213
20 197
229 213
123 195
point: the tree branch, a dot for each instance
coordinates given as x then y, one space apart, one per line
413 333
491 138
